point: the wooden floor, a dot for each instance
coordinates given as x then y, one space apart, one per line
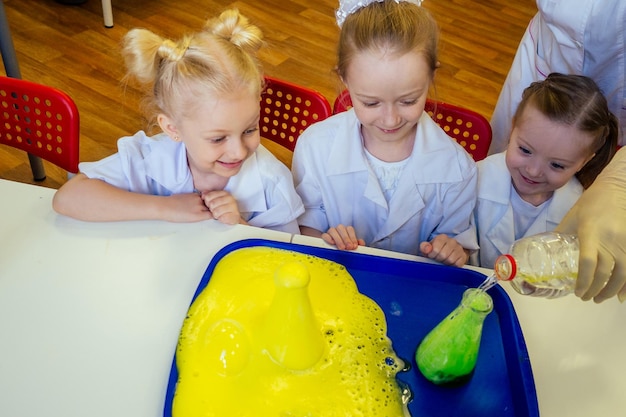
68 47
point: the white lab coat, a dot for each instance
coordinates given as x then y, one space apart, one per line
493 216
436 192
584 37
158 165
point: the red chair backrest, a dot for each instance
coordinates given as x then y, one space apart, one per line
287 109
40 120
469 128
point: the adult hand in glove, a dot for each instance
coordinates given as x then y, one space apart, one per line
599 220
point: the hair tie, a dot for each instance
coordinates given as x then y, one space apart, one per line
174 51
347 7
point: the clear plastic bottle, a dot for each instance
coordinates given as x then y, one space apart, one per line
543 265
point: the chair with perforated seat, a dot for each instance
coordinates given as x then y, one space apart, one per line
286 110
40 120
467 127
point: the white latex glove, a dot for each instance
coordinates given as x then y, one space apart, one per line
599 220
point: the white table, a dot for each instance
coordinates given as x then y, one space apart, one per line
90 315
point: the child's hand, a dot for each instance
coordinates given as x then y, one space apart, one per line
186 208
222 206
344 237
446 250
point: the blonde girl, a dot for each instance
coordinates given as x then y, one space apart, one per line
204 94
384 174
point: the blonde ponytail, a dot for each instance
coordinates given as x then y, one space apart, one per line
220 59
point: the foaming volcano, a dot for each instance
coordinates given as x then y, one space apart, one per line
291 334
281 333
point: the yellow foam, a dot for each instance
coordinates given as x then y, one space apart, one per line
231 353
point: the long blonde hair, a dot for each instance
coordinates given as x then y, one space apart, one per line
219 59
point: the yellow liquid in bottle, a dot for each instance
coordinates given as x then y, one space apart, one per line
547 287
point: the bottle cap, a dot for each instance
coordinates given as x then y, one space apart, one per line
505 267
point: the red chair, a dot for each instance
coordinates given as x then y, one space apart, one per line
40 120
287 109
469 128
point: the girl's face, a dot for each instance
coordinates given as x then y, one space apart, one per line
544 155
388 94
220 133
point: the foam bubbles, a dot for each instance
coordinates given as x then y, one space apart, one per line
225 367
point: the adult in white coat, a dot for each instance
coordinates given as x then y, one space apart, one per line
584 37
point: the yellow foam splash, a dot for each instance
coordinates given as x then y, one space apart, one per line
234 357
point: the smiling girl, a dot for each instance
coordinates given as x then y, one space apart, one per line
563 136
384 174
207 163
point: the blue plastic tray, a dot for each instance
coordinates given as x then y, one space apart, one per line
415 297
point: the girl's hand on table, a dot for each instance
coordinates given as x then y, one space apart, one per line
446 250
222 206
343 237
186 208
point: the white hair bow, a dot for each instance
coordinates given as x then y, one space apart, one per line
347 7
